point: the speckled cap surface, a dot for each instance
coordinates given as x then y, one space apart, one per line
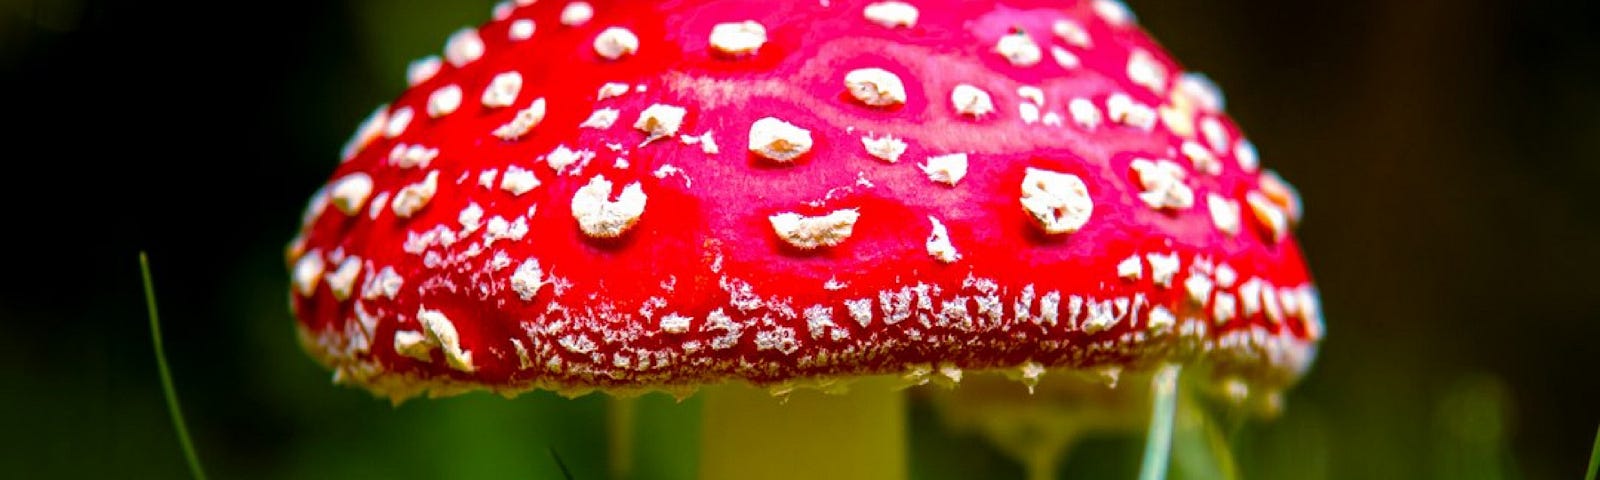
633 196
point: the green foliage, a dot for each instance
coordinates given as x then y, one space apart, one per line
1594 457
166 375
565 472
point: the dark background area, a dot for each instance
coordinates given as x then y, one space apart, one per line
1448 153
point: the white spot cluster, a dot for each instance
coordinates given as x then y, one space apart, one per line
377 205
564 160
1224 308
706 141
1281 194
1226 275
523 122
939 246
1072 33
615 42
971 101
948 169
413 344
1066 59
308 272
413 197
1029 372
463 47
1200 88
809 233
1019 49
860 310
875 86
1178 113
612 90
342 280
675 323
1161 319
1052 119
1084 114
819 322
350 192
1058 202
527 279
1130 269
600 217
1032 94
1162 184
421 70
385 283
1245 153
1122 109
1202 159
1029 112
441 330
1272 218
502 90
1199 288
412 155
891 14
1224 213
1099 315
520 30
576 13
444 101
1146 71
1250 295
886 148
660 120
1163 267
778 140
1215 134
601 118
738 38
398 122
518 181
369 130
1114 12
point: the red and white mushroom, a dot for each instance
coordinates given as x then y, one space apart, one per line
563 203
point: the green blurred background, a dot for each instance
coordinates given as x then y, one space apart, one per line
1448 153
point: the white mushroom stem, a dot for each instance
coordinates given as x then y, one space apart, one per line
621 415
1038 428
746 433
1163 408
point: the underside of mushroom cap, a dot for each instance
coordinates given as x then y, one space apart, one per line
661 195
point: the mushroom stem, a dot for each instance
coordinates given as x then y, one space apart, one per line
1164 406
749 434
620 424
1043 464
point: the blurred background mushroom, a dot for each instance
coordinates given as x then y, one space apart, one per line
1444 148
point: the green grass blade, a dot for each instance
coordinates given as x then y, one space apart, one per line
1158 442
565 473
1594 457
166 375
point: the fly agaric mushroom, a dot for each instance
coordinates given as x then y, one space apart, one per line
567 208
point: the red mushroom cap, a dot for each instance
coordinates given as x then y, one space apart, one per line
644 195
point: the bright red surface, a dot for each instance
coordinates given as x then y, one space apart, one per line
718 208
